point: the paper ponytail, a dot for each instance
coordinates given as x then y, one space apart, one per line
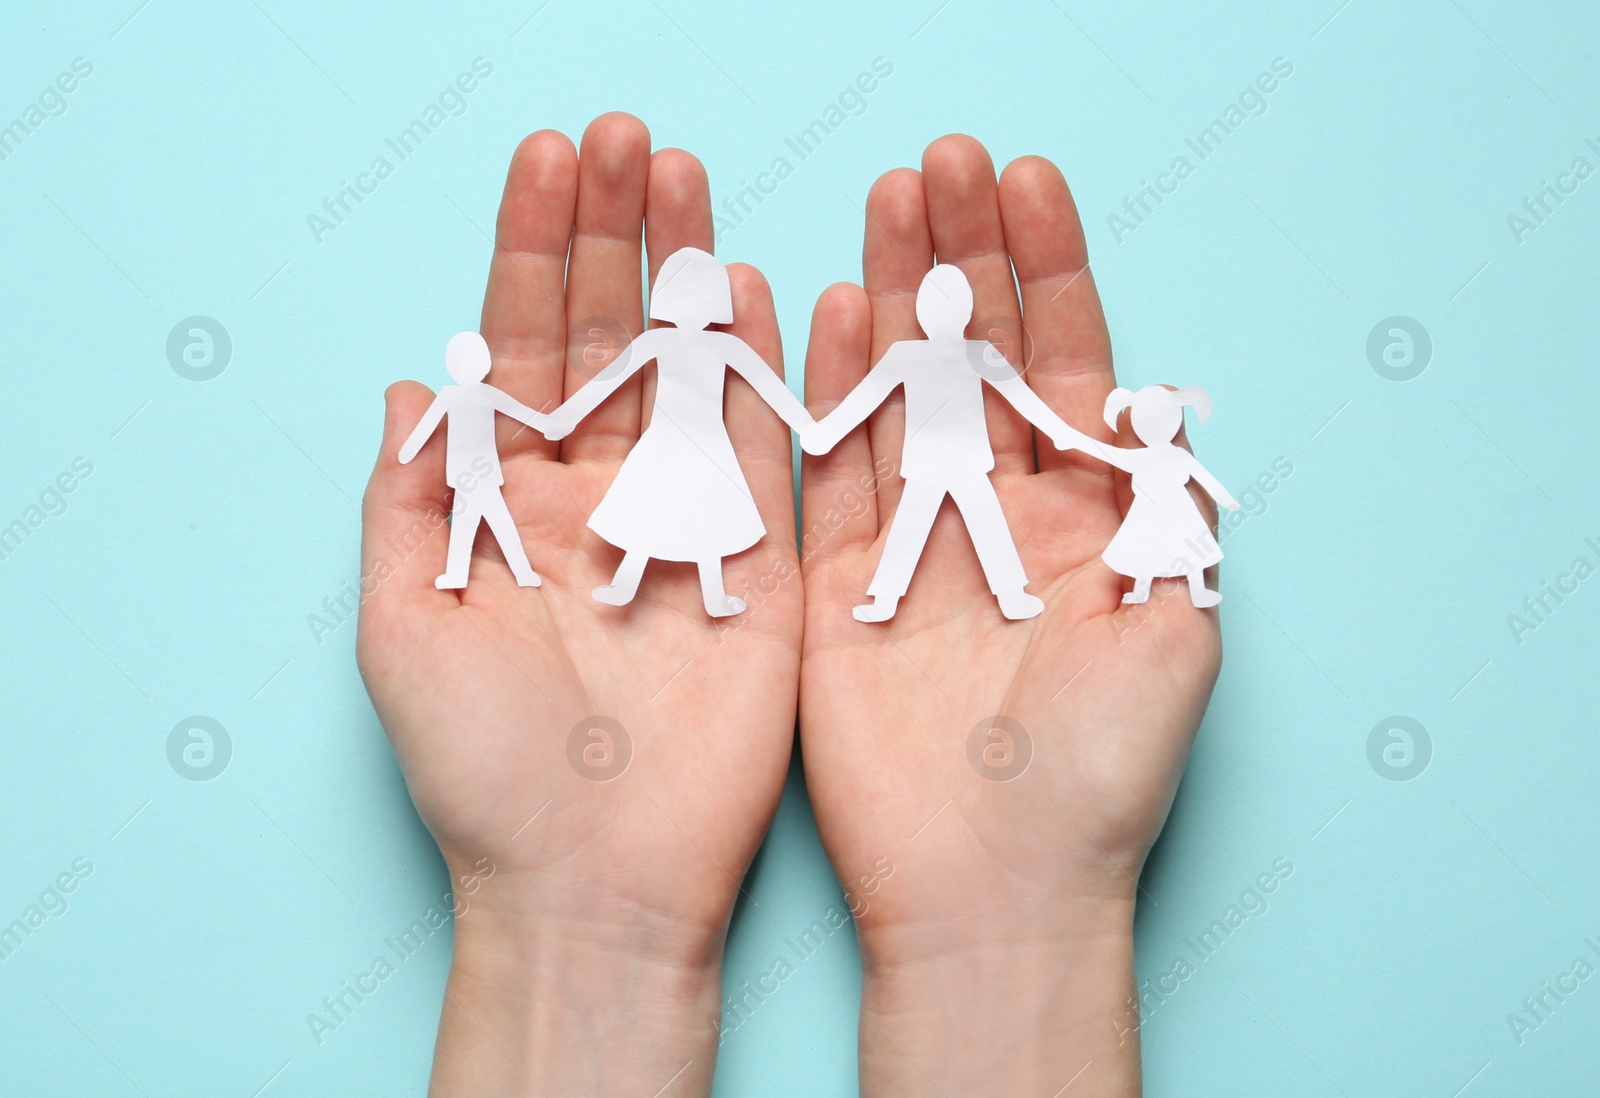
1119 399
1197 398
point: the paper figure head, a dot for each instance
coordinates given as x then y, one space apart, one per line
1157 410
692 290
944 302
466 358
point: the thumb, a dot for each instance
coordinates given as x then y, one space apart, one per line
404 532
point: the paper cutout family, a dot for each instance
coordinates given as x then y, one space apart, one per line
681 496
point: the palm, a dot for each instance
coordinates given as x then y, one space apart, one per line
1107 695
490 696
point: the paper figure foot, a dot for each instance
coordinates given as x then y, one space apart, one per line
612 595
1199 594
528 579
449 582
879 609
1019 605
726 607
718 603
625 584
1140 592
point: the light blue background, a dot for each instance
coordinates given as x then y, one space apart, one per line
1377 580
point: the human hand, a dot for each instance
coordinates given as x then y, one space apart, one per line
590 962
997 958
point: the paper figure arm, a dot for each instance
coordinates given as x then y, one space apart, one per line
559 423
1020 395
423 430
1211 484
768 385
860 402
508 405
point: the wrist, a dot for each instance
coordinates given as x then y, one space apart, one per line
1014 1006
539 1003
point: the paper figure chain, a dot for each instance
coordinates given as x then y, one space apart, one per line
680 494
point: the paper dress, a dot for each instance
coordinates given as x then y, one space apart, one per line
680 494
1164 534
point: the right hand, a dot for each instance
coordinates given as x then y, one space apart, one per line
590 962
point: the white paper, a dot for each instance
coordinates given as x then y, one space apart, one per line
946 450
1164 535
472 462
680 494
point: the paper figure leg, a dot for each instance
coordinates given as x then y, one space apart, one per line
1198 594
908 534
719 604
1140 592
997 552
498 516
625 584
464 519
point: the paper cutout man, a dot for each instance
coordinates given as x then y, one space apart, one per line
472 463
680 494
1164 534
946 450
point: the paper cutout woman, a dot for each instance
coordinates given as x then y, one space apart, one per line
946 450
1164 534
680 494
472 464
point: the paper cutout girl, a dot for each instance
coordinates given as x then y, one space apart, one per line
1164 534
472 464
680 494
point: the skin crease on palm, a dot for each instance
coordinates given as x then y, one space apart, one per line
589 962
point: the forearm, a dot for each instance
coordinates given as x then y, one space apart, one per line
541 1008
1023 1009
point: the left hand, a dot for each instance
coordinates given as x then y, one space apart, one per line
998 956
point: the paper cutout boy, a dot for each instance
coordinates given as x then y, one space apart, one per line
1164 534
946 450
680 494
472 463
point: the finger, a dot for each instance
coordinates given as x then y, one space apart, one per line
1071 364
964 217
760 439
896 252
524 314
603 277
838 497
403 528
677 214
